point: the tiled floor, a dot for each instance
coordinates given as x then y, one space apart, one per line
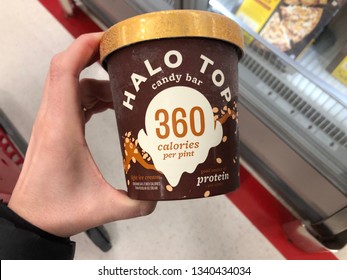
212 228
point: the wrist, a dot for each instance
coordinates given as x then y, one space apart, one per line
10 215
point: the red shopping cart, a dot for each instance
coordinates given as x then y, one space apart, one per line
12 150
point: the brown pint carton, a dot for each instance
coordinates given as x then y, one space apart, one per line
174 81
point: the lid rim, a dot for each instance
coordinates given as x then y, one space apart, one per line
240 52
171 24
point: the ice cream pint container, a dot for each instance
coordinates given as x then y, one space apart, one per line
174 82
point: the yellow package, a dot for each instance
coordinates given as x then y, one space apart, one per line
340 72
255 14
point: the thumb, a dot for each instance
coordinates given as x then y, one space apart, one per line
119 206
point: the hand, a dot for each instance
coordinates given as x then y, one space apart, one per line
60 188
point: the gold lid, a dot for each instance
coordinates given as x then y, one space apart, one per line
170 24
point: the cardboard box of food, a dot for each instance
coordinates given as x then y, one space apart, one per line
338 66
290 25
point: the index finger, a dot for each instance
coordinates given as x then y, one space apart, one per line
61 92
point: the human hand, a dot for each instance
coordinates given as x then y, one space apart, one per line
60 188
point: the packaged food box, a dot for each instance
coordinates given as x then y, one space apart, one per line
338 66
290 25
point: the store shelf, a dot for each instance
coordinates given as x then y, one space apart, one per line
293 130
296 99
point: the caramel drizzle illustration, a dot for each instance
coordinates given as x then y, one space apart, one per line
225 114
132 149
132 154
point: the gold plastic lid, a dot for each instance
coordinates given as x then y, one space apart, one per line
170 24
